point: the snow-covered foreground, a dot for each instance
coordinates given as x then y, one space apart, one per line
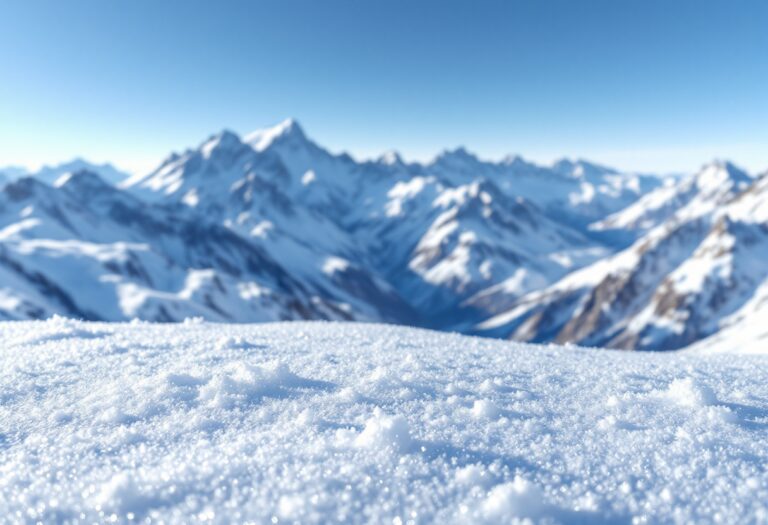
318 423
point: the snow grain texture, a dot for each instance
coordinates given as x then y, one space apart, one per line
354 423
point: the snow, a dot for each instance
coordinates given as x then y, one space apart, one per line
402 192
191 198
426 243
58 174
262 229
688 198
358 423
745 331
261 139
308 177
333 265
692 272
510 249
391 158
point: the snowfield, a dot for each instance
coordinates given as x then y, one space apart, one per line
356 423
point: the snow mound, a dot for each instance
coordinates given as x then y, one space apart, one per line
513 499
690 393
385 432
354 423
483 408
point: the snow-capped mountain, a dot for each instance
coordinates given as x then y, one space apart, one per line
442 245
577 192
437 234
256 193
691 196
679 282
747 324
49 174
86 249
271 225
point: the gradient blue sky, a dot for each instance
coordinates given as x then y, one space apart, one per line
645 85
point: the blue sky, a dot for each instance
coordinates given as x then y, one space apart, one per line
646 85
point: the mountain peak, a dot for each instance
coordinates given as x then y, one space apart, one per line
580 168
459 154
289 129
290 125
515 161
718 172
225 141
80 179
391 158
730 167
50 174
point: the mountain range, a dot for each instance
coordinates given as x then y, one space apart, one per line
50 174
271 226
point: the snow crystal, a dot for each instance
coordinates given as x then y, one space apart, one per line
333 264
385 432
120 494
517 498
354 423
483 408
688 392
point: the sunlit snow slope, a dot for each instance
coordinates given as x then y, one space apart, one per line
356 423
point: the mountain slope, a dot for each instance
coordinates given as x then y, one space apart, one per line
442 245
260 196
434 234
87 249
576 192
745 328
675 285
692 196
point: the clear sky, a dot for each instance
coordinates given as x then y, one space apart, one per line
648 85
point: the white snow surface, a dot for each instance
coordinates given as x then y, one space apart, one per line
359 423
